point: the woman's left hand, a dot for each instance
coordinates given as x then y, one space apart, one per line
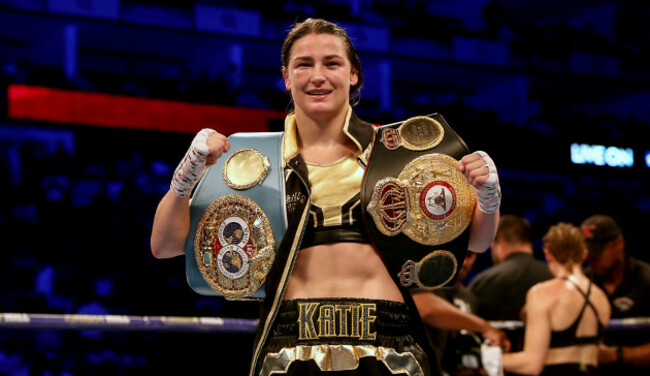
481 173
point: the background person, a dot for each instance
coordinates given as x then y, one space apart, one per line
565 317
501 289
626 281
450 314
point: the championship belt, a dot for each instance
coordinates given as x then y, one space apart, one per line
416 205
237 219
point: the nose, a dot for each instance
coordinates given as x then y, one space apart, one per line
318 76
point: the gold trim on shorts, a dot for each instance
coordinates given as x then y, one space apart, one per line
340 358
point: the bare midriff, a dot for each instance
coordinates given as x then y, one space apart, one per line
341 270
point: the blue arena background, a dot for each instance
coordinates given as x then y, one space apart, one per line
557 92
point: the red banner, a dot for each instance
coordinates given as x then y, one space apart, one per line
72 107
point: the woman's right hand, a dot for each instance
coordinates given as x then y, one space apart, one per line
172 219
206 148
217 145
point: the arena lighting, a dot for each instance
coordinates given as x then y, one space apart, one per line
647 158
600 155
96 109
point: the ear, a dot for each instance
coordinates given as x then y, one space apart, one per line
585 254
285 75
548 255
354 77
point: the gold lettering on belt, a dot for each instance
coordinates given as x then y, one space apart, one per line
354 320
366 319
343 319
306 329
336 320
327 321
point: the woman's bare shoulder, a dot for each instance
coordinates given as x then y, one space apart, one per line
545 292
601 301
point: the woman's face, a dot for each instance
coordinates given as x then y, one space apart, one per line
319 75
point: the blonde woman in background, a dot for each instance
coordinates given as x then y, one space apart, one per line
565 316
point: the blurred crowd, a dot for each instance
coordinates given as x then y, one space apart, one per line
78 203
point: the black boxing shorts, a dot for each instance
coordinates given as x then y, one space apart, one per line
342 336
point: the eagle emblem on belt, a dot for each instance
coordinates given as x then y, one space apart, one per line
430 201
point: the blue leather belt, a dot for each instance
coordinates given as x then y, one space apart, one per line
237 219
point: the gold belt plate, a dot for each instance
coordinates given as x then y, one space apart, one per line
434 270
430 201
417 133
245 168
234 246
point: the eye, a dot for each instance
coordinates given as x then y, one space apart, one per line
303 64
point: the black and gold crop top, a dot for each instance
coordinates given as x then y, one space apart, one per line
335 212
569 336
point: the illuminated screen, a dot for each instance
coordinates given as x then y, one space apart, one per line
600 155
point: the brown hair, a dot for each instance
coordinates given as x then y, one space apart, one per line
513 229
565 242
320 26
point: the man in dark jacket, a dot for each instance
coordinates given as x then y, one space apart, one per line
626 281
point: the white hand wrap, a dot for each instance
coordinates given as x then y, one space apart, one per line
489 195
492 359
191 168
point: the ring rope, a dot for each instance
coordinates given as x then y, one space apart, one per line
119 322
204 324
632 323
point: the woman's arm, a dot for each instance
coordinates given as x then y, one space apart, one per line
634 355
537 337
481 174
439 313
171 224
482 230
172 219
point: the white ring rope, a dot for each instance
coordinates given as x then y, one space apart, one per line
203 324
632 323
117 322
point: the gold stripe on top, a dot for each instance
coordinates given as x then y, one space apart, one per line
279 293
290 139
333 185
340 358
346 126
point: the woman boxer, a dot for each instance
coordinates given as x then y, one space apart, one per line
326 269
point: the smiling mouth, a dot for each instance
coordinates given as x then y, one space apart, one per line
319 92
